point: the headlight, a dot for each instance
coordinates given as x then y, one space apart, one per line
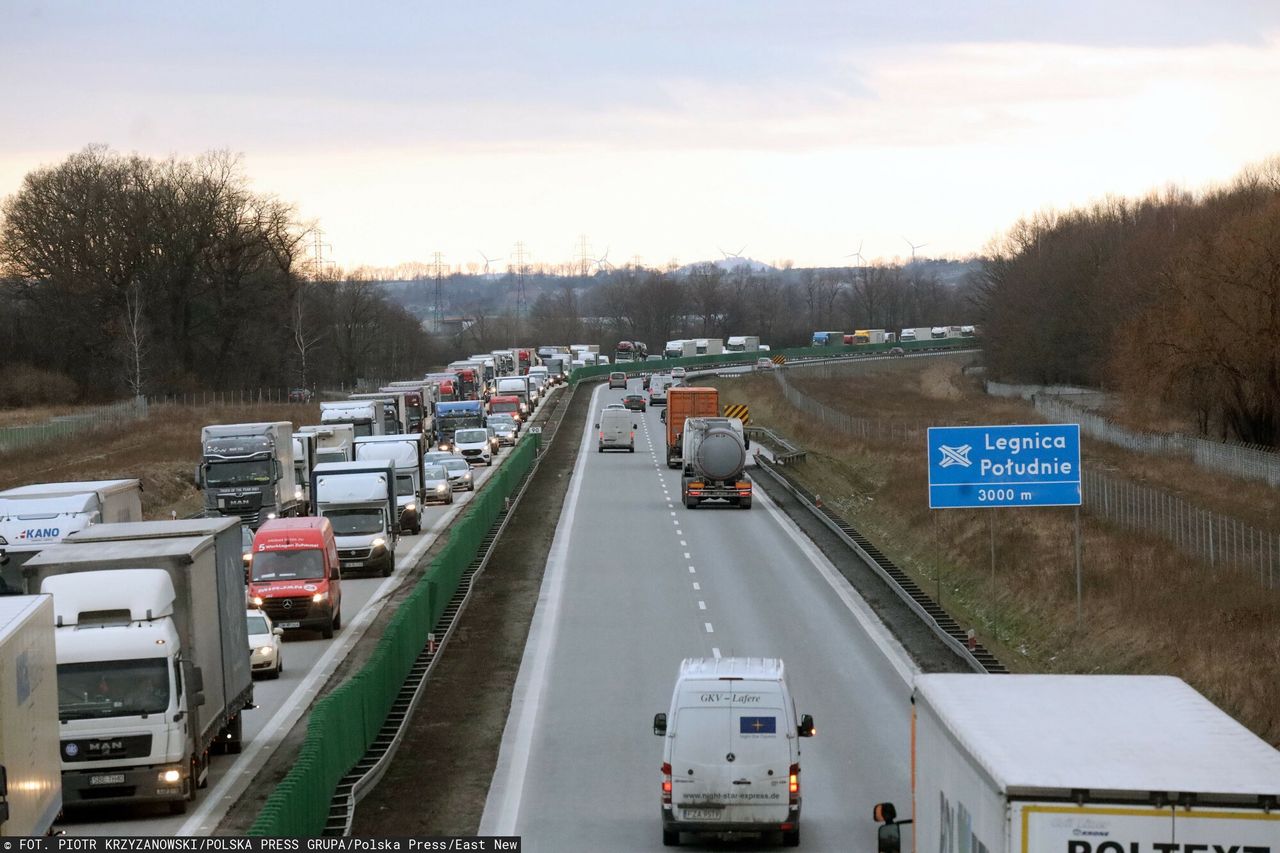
319 597
248 558
440 488
379 542
466 476
271 515
257 601
265 650
297 493
411 507
172 776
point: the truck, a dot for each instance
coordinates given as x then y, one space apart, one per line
714 454
742 343
517 386
334 443
687 402
866 336
30 767
1081 764
153 669
451 417
304 459
827 339
395 416
359 499
41 514
365 416
247 470
405 453
417 404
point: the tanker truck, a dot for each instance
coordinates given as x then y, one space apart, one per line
714 455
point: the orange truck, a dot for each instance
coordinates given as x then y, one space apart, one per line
685 402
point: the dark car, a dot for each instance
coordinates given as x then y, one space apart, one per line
299 395
634 402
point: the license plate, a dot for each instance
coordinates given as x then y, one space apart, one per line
702 814
107 779
288 624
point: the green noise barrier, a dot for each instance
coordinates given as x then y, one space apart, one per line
792 354
343 724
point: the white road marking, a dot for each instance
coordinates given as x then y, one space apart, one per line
710 630
702 605
683 544
502 805
715 652
673 513
691 570
687 555
697 586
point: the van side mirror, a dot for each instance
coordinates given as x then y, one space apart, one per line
806 727
597 426
279 632
635 426
660 724
198 477
335 574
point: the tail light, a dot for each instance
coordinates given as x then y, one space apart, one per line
666 784
602 435
793 783
633 434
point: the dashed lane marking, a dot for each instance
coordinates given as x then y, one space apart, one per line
702 605
710 630
696 586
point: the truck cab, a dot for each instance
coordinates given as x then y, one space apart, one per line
365 416
296 577
247 470
359 500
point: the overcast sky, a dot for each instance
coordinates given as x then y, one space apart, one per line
664 130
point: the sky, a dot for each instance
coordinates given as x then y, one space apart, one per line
666 130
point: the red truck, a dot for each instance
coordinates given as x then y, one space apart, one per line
505 405
685 402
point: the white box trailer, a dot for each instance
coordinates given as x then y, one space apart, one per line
1084 764
334 443
30 769
42 514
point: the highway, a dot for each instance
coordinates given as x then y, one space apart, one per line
635 583
308 663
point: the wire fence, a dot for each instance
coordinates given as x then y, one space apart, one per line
1217 539
87 419
238 397
833 368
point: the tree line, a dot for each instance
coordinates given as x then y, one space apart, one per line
124 275
1173 299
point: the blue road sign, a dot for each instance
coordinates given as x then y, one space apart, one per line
985 466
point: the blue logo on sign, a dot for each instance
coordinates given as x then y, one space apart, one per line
757 725
1035 465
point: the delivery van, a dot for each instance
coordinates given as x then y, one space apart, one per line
731 751
617 431
295 576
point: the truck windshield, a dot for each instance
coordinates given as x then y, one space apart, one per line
331 456
300 564
116 688
471 436
505 406
238 473
354 522
404 485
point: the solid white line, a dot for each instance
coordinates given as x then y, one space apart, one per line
506 790
862 612
710 630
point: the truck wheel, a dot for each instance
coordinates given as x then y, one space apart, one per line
631 449
234 743
337 619
387 566
691 503
792 838
327 630
670 838
745 503
599 448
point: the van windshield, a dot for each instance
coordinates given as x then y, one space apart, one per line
404 485
123 688
355 522
505 406
300 564
471 436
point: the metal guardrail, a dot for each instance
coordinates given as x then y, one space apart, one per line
784 452
976 656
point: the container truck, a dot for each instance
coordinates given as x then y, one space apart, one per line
153 664
365 416
41 514
451 417
395 416
334 443
417 403
304 459
714 454
687 402
359 499
1081 764
405 453
827 339
517 386
247 470
743 343
30 769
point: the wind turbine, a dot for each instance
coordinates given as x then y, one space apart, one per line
487 260
914 246
732 255
862 262
602 262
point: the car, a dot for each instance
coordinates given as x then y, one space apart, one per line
505 430
764 364
897 352
459 471
473 445
678 373
495 446
653 358
436 485
435 457
615 406
617 380
264 645
300 395
634 402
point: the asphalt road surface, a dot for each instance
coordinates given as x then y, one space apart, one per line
635 583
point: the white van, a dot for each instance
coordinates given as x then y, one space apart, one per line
753 785
617 430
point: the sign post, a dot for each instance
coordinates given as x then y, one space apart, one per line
1034 465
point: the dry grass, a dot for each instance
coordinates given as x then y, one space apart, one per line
27 415
162 451
1147 607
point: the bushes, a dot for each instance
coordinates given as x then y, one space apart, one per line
25 385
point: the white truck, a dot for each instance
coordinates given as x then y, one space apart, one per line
359 499
364 416
153 666
516 386
304 459
334 442
247 470
405 453
35 516
742 343
395 413
30 772
1082 764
